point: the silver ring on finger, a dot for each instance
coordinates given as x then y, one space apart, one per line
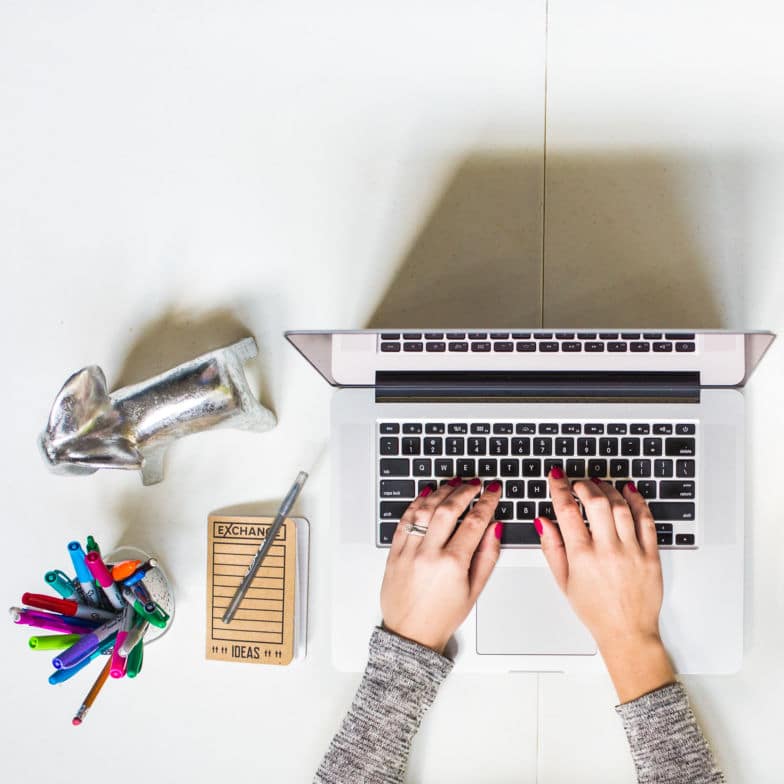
415 528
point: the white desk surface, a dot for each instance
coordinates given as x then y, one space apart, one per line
173 174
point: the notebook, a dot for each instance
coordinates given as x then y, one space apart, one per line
270 626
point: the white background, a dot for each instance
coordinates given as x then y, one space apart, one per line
174 175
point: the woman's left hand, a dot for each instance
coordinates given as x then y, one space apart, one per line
431 582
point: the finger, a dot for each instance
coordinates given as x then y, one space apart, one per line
597 510
553 549
485 559
644 524
573 529
622 515
445 516
420 511
467 537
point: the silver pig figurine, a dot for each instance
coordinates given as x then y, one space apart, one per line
132 427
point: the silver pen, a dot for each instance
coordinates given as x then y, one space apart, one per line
285 507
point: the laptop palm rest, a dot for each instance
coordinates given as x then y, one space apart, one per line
522 611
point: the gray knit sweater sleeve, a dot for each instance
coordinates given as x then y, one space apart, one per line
667 744
399 685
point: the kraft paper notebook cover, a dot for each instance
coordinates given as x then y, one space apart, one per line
271 622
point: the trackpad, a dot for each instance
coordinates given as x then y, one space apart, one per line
522 611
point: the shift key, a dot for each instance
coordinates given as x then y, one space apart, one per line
399 488
395 467
671 510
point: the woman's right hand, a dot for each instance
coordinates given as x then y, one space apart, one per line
612 577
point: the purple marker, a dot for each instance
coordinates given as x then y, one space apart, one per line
89 643
51 622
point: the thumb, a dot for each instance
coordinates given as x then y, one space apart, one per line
553 549
484 559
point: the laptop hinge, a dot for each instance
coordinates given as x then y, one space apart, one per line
530 386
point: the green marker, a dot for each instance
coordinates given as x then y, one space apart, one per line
133 665
59 582
150 611
53 642
92 545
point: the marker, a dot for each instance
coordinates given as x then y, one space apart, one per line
60 676
66 607
150 611
119 661
98 570
52 642
135 659
52 623
92 545
124 569
83 574
90 642
147 566
59 582
91 695
134 635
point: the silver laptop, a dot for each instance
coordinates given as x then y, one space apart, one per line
662 407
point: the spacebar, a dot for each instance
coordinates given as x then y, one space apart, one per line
662 510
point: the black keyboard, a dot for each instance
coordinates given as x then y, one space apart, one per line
541 342
659 456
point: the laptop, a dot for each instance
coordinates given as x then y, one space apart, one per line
662 407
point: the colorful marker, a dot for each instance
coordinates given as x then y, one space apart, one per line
147 566
119 661
91 695
59 582
89 642
149 610
98 570
92 545
66 607
52 642
60 676
134 635
83 574
52 623
135 659
124 569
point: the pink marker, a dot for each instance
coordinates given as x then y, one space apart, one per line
104 577
119 661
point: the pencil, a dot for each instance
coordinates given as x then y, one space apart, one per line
92 694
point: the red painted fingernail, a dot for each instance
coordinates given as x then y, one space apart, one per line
538 526
632 487
455 482
499 529
494 487
596 480
556 473
426 490
476 481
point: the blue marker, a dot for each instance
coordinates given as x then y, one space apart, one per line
87 644
59 676
83 574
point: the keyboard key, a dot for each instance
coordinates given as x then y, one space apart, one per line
662 468
423 483
499 335
685 429
488 468
608 335
616 429
412 336
619 468
434 428
537 488
630 447
392 510
664 539
662 347
616 346
411 446
525 346
532 467
646 489
504 510
685 347
481 347
664 528
651 335
477 335
545 509
503 346
526 510
521 335
458 345
389 427
519 533
575 469
676 489
445 468
437 347
586 446
390 336
679 335
564 335
548 428
681 447
594 429
586 335
543 446
503 429
571 428
594 347
422 467
639 347
672 510
397 488
639 429
434 335
652 446
477 446
480 428
525 428
386 532
521 446
466 468
515 489
386 347
394 467
549 346
389 446
412 428
661 429
455 446
608 447
550 464
597 468
499 446
641 468
630 335
564 446
433 446
457 428
413 346
572 346
684 539
510 468
684 469
543 335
